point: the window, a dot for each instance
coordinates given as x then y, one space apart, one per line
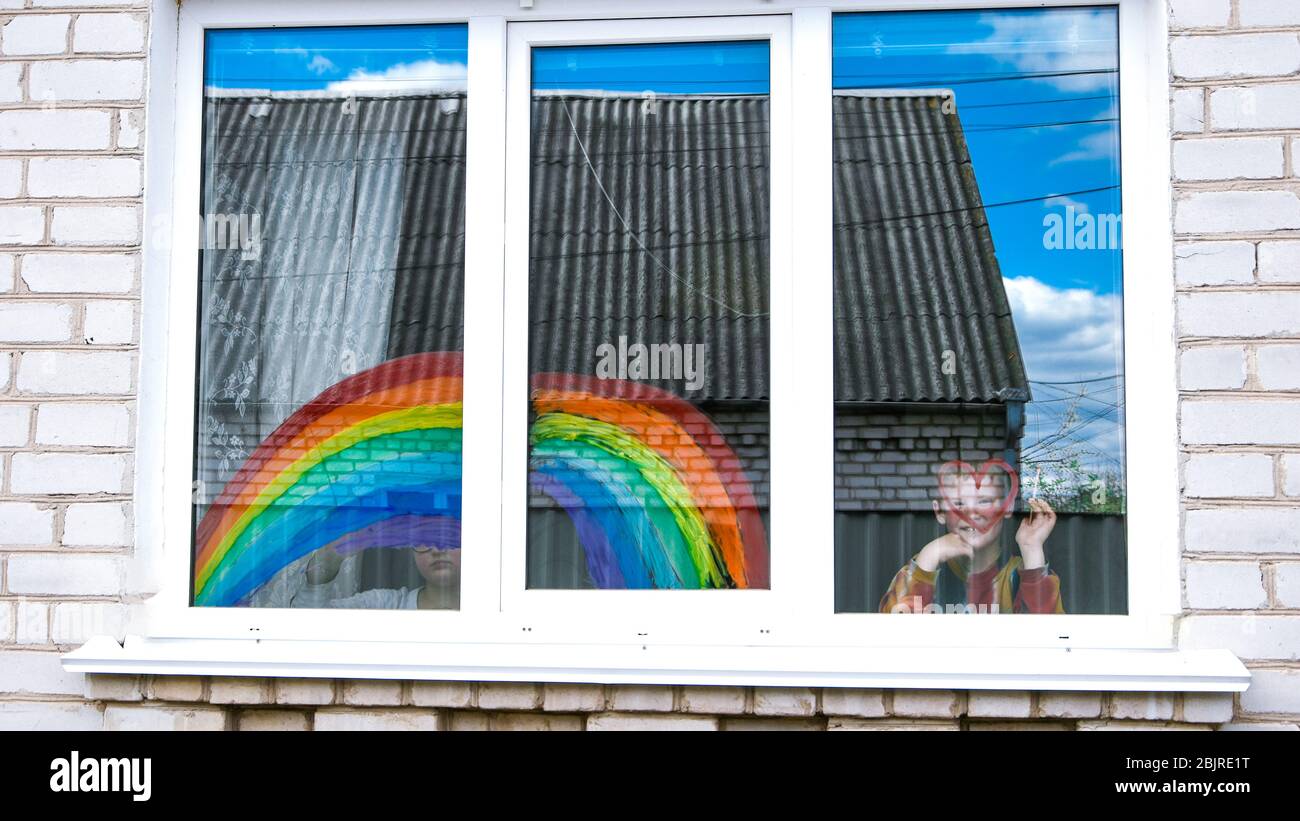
979 380
328 420
641 271
648 317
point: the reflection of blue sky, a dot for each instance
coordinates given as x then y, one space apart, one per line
664 68
350 60
1037 94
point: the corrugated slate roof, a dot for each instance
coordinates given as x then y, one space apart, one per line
650 221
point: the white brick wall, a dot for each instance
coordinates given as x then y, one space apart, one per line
72 79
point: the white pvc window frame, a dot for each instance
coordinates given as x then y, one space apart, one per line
679 633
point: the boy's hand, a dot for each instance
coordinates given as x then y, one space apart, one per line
1033 532
324 565
943 549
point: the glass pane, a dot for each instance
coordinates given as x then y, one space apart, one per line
979 390
648 317
328 405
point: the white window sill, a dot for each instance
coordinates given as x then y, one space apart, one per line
951 668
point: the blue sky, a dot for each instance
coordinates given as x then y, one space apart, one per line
342 58
1037 94
665 68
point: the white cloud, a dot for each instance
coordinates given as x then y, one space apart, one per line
320 64
1058 42
1070 335
1054 203
423 75
1100 145
1066 334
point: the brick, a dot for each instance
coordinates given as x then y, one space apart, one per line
1069 705
1291 474
1268 12
76 374
67 473
469 722
345 718
1218 212
81 3
95 225
373 693
1251 637
60 575
129 125
11 78
1286 584
843 701
454 694
529 721
151 717
1259 726
1199 13
508 696
239 690
56 130
36 672
1252 530
1238 55
1278 367
47 716
892 724
22 224
114 688
308 691
109 322
1242 108
1207 708
273 720
95 525
84 177
79 273
72 424
6 622
1279 262
1229 158
1135 726
784 701
108 33
1229 474
29 321
25 523
571 698
176 688
998 704
75 622
628 698
15 428
1225 586
92 80
1272 692
1214 263
8 264
651 721
926 703
1241 423
32 622
769 725
11 179
36 34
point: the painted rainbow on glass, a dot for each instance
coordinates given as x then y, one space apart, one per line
657 498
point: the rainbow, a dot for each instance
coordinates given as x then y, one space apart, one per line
656 497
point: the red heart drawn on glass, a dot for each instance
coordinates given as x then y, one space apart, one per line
992 512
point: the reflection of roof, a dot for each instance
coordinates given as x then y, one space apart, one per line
654 227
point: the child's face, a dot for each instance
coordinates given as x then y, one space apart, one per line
980 522
439 568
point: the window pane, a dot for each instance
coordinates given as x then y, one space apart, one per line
979 414
648 317
328 406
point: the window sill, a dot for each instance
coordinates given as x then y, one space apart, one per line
954 668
